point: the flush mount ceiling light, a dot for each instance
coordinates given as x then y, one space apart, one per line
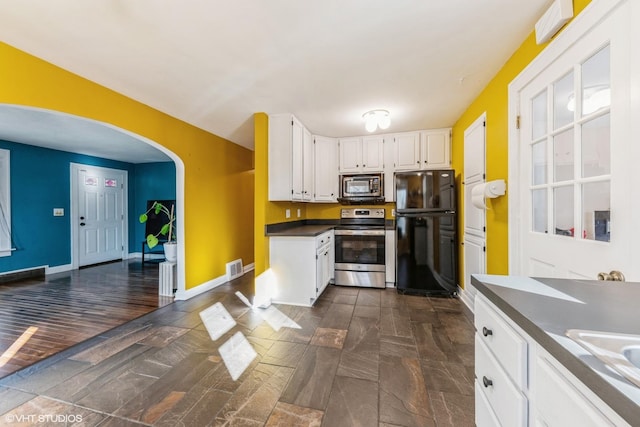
375 119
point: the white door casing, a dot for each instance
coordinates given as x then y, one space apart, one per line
475 230
99 214
558 239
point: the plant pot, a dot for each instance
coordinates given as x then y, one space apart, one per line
171 251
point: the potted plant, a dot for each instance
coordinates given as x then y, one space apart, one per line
167 229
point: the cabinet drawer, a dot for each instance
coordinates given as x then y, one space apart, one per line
485 417
323 239
502 340
506 400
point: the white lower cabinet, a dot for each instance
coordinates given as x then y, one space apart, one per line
303 267
519 384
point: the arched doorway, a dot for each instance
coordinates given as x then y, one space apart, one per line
59 131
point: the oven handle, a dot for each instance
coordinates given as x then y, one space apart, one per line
359 232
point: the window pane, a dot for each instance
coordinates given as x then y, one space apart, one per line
539 166
563 210
539 203
563 156
596 147
596 201
596 82
562 101
539 116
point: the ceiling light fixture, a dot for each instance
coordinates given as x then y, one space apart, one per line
594 98
375 119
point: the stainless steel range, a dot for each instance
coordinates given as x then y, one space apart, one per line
360 248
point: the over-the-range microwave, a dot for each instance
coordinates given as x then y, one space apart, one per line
361 189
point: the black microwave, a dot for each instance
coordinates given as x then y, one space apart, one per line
361 189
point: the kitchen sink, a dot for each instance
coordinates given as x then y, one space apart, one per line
620 352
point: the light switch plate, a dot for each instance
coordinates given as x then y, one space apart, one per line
58 211
287 213
298 213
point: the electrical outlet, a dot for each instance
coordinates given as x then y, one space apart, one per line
298 213
287 213
58 211
393 212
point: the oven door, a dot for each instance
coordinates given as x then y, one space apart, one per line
361 250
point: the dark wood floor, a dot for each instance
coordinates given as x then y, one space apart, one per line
361 357
69 308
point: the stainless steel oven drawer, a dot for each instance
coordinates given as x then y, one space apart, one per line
367 279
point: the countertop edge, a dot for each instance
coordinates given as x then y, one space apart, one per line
614 398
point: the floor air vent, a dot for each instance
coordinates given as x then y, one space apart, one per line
234 269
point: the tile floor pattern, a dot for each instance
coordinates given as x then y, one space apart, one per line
362 357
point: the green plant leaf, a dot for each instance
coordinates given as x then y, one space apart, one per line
143 218
158 208
152 241
164 230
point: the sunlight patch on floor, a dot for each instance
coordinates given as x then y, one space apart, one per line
17 345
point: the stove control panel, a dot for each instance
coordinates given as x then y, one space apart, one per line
362 213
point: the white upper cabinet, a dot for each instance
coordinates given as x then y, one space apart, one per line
307 166
290 159
423 150
435 148
350 155
372 153
325 177
407 151
361 154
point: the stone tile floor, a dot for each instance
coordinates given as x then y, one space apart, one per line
359 357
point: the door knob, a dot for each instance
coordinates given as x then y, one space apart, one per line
82 224
616 276
612 276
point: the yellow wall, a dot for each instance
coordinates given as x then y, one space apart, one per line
218 207
494 101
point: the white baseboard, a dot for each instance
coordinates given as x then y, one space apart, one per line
467 296
57 269
209 285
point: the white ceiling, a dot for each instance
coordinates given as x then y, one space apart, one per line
214 63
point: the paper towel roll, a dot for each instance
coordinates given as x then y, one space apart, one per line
477 196
491 190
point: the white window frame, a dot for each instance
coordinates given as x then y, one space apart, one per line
5 204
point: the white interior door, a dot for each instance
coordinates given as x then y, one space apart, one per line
576 159
99 216
474 218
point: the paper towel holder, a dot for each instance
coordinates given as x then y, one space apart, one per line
487 190
495 188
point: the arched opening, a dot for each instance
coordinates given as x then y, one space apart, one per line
87 138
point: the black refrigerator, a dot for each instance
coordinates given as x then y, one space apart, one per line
426 252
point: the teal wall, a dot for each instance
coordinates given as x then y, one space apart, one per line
41 181
152 181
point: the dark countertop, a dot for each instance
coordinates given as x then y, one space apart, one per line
308 228
301 231
546 308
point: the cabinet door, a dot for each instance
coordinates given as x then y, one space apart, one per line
297 150
435 149
325 180
373 153
280 162
559 403
350 155
407 148
307 165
